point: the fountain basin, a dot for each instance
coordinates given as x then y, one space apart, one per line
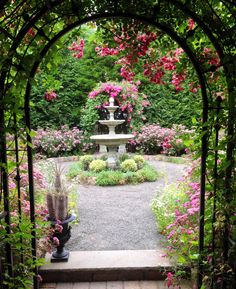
111 124
111 140
114 122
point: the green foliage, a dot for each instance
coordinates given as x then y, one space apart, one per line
148 173
20 240
72 80
129 166
109 178
89 117
85 161
74 170
140 161
164 204
98 174
123 157
97 166
133 178
169 107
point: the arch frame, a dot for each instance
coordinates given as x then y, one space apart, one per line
43 52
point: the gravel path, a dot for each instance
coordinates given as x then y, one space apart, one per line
120 217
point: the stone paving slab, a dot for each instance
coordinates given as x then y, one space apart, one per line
111 259
115 285
108 266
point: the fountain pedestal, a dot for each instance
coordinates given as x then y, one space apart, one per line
111 140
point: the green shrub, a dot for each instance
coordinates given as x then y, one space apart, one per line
164 205
74 170
110 178
123 157
140 161
97 166
129 166
133 178
85 161
148 173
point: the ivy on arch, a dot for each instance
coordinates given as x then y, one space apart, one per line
31 30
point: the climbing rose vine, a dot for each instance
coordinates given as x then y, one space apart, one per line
78 48
132 103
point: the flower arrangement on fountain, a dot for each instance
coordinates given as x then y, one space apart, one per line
125 94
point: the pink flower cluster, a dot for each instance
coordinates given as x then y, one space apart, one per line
110 88
104 51
177 80
135 45
191 24
43 228
37 175
78 48
50 95
125 95
135 49
52 143
155 139
211 57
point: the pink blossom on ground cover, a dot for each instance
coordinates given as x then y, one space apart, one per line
156 139
54 142
44 230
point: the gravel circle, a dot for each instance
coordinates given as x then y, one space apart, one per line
120 217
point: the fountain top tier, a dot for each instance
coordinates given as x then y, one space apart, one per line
111 122
112 139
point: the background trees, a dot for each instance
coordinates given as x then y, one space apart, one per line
72 79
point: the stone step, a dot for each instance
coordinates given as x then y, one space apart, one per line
88 266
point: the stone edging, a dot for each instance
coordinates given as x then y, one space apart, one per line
146 157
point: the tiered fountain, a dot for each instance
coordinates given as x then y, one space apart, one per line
111 140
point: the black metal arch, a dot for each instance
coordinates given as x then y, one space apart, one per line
202 82
152 20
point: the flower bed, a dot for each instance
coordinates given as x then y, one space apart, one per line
177 213
154 139
60 142
128 171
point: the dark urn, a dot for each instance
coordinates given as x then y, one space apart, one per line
61 254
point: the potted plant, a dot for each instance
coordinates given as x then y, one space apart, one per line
57 203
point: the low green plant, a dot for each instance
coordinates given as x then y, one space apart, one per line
140 161
123 157
110 178
97 166
98 174
133 178
129 166
163 205
74 170
172 159
85 161
148 173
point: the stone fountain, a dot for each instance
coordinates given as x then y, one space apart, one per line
111 140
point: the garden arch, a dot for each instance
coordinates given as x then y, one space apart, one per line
78 13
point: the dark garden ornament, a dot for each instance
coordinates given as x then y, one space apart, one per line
57 203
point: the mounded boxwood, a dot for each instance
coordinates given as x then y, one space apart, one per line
97 166
129 166
85 161
109 178
140 161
